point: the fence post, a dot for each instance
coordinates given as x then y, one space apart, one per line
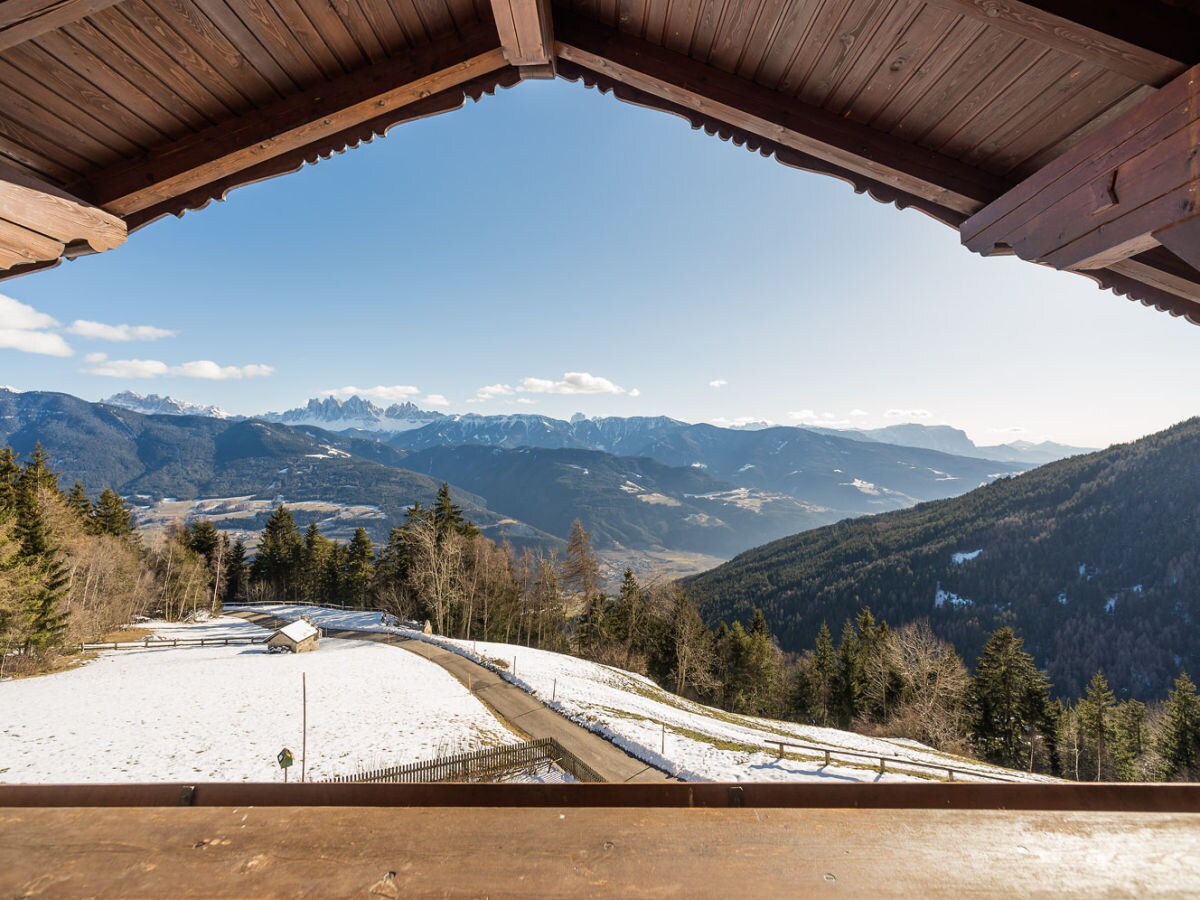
781 749
826 757
950 772
554 691
882 765
664 738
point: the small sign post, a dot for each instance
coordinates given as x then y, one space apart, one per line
286 759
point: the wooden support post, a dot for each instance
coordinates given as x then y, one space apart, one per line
526 32
826 757
882 765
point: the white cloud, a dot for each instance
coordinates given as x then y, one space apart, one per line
44 342
18 316
23 328
100 364
491 392
908 414
1015 429
206 368
803 415
858 413
388 393
718 383
574 383
101 332
527 401
435 400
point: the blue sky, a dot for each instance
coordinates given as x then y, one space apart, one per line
551 230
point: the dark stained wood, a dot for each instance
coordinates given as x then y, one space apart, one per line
24 20
1166 27
1108 197
294 122
1183 238
1104 50
526 31
693 85
50 211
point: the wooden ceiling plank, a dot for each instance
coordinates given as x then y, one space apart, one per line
285 46
185 32
247 45
1087 44
358 24
526 30
49 210
855 77
822 31
332 29
293 122
154 72
24 20
745 105
852 39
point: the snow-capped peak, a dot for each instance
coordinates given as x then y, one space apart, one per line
357 413
156 405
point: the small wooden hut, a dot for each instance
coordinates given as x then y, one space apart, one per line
298 637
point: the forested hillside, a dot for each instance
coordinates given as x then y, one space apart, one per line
1093 559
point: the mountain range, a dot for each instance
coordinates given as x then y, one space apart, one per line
620 435
1094 560
643 485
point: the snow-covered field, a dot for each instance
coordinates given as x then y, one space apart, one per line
223 713
692 741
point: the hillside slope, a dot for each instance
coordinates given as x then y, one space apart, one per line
1093 559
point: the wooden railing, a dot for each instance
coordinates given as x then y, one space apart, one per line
482 765
898 765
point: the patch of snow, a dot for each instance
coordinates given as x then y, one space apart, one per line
1062 598
746 468
1137 588
959 558
1110 605
702 743
218 713
630 488
942 597
298 630
865 486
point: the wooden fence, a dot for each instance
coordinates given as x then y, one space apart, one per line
898 765
482 765
147 643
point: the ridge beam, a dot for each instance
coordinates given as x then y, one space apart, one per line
526 29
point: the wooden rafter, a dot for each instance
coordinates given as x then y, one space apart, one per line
38 221
526 32
294 122
23 20
1128 187
745 105
1027 20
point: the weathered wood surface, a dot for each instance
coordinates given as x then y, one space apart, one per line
526 30
38 220
554 852
1089 44
1106 198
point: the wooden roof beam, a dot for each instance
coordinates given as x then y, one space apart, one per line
783 120
39 221
526 30
1131 186
294 122
1071 36
23 20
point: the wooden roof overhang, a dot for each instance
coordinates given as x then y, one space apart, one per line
1064 131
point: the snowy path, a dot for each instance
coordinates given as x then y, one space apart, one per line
222 713
510 703
691 741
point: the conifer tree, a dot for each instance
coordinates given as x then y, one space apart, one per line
581 568
277 561
358 563
314 560
236 573
111 516
77 499
10 474
1178 742
824 671
848 678
1009 701
1130 741
1095 713
45 620
448 516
